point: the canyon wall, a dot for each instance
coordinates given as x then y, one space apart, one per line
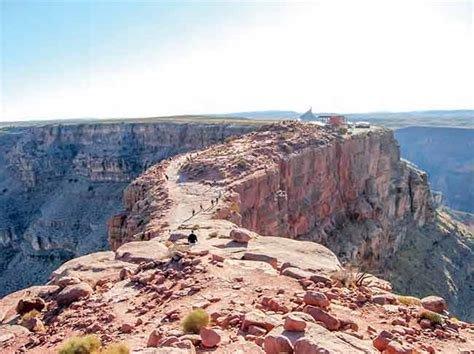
60 183
354 195
446 155
348 191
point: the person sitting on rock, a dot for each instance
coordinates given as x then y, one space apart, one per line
192 238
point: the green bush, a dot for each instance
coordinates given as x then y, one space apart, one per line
194 321
432 316
81 345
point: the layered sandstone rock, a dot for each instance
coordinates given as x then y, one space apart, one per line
349 191
59 183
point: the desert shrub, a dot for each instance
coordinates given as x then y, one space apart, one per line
116 348
241 163
81 345
195 320
350 276
409 300
33 313
432 316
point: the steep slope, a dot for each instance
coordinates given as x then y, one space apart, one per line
267 294
350 192
60 183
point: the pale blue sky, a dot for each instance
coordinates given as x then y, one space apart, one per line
67 59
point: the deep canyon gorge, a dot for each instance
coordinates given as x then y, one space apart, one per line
60 185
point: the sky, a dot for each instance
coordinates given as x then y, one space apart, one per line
104 59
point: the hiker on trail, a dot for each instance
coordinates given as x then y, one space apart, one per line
194 212
212 202
200 206
192 238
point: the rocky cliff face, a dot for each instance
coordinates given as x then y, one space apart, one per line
60 183
350 192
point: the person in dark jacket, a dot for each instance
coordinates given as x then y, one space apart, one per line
192 238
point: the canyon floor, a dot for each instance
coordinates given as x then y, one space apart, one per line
264 294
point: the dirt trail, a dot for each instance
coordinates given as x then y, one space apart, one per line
189 196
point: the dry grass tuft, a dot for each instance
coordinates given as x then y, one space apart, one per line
409 300
432 316
81 345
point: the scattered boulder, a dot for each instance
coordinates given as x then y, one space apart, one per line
125 273
384 299
241 235
296 273
296 321
394 347
381 341
260 319
127 328
62 282
210 337
320 278
34 324
316 298
28 304
154 339
276 344
175 236
319 315
434 303
73 293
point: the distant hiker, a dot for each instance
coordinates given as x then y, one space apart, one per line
194 212
192 238
212 202
200 206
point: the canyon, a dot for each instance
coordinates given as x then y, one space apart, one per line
59 183
299 228
446 155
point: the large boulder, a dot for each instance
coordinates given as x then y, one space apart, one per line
74 293
316 298
434 303
28 304
241 235
142 251
93 268
260 319
319 315
316 339
210 337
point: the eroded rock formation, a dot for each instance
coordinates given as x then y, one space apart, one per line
350 192
60 183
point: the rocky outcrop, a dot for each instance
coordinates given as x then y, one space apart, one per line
349 191
60 183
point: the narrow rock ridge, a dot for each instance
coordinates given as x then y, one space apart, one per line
60 183
350 192
302 182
